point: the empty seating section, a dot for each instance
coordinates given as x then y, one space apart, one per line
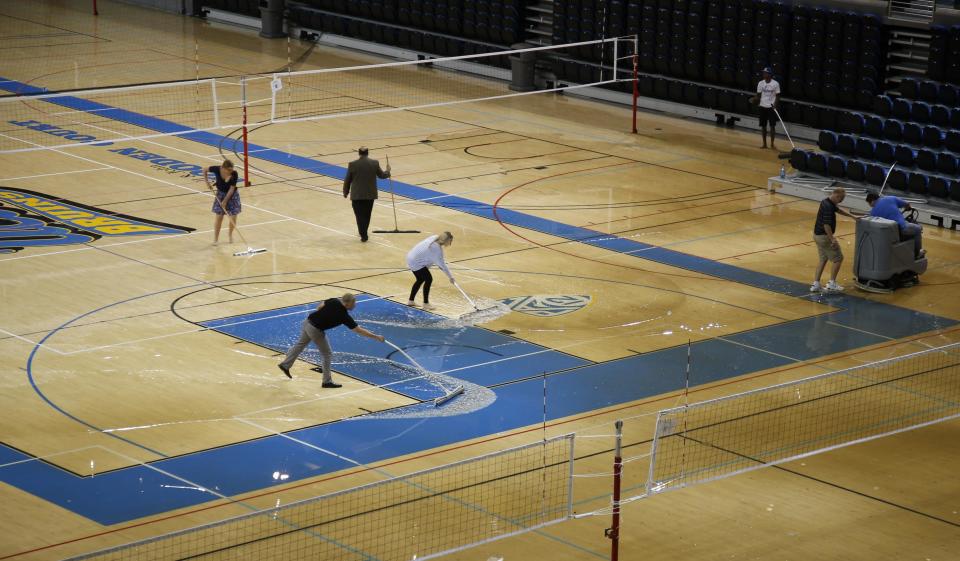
865 146
919 130
944 58
712 49
819 55
439 27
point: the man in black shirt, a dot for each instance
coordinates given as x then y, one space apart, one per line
329 314
828 247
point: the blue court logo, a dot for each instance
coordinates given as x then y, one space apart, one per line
547 305
31 219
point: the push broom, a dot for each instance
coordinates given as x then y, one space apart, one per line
477 312
393 202
784 155
250 249
448 393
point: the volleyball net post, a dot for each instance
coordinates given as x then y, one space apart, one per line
613 532
636 92
246 149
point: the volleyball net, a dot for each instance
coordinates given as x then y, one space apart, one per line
34 119
417 516
723 437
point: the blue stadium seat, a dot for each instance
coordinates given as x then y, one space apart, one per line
817 163
949 95
828 118
955 118
938 187
850 122
811 116
917 183
955 189
846 145
904 155
827 141
866 148
920 112
912 133
856 170
873 126
884 106
898 180
929 91
952 141
909 88
948 163
710 97
875 174
926 160
900 108
940 115
892 129
932 137
836 166
798 159
884 152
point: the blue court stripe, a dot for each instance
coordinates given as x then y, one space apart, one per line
573 233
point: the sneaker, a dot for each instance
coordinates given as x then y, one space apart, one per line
285 370
922 254
411 303
332 385
427 306
815 287
832 286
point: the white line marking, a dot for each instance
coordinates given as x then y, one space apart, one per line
52 174
34 343
143 240
53 455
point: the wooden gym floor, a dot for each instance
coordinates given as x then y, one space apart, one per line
124 350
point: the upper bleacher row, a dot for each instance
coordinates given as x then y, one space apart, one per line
923 140
944 59
818 55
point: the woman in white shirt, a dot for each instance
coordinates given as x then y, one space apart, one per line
426 253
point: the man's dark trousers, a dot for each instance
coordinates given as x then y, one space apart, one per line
362 209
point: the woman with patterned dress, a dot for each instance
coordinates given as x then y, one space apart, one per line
227 200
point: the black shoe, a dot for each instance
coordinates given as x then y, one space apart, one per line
285 370
363 238
332 385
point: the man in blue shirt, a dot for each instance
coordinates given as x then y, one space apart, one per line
890 208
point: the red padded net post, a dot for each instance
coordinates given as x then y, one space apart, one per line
613 532
636 93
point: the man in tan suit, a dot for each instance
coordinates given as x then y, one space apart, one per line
361 185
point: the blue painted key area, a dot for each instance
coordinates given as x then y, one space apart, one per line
511 367
476 355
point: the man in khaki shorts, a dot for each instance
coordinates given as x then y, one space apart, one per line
828 247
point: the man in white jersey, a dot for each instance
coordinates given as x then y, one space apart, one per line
768 97
426 253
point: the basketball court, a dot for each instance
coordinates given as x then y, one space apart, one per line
641 271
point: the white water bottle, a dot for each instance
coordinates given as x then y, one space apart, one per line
783 171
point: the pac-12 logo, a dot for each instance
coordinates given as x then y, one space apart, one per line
31 219
544 305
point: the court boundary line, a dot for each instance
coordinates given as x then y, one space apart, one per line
518 432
